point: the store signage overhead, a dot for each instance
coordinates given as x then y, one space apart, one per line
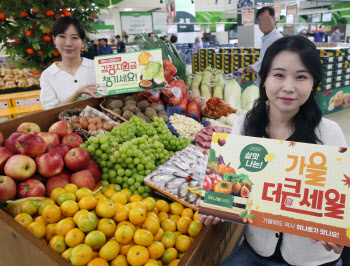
285 186
136 22
185 13
129 72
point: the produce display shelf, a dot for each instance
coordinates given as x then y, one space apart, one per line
14 90
19 247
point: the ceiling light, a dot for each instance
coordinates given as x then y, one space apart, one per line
128 9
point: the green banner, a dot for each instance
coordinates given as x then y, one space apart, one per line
135 14
218 199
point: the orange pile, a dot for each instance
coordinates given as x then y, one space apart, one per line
114 228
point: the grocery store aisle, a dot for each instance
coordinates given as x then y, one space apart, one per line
343 120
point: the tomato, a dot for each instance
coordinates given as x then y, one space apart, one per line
68 14
214 180
2 16
40 53
56 53
49 13
207 183
47 31
28 33
64 9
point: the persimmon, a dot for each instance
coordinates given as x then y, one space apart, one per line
36 72
49 13
56 53
47 38
30 51
94 15
224 187
67 14
40 53
64 9
24 14
16 40
2 16
35 11
28 33
47 31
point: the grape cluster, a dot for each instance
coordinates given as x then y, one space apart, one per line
131 151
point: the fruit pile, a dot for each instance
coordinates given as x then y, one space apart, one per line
113 227
31 159
131 151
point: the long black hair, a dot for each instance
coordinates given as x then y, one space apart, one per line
309 116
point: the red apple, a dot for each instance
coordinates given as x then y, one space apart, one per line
72 140
83 179
61 128
94 170
1 139
5 154
207 183
65 174
31 145
11 141
215 178
53 182
30 188
77 159
20 167
7 188
49 164
49 137
28 128
59 148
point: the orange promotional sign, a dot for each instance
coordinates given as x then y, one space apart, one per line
290 187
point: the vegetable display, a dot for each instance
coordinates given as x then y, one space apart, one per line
185 126
233 94
216 107
249 96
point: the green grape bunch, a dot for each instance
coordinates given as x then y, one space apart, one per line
131 151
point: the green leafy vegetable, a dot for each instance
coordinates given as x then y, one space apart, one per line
243 214
240 178
212 157
151 70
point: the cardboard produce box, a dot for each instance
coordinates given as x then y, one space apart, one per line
19 247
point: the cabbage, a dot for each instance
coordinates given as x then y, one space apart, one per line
159 78
249 95
232 94
230 119
151 70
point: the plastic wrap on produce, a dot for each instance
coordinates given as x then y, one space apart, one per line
182 176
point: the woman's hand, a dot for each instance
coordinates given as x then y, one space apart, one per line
329 246
89 89
208 220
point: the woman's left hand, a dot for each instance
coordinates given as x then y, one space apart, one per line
329 246
89 89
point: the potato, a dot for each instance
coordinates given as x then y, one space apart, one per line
131 108
150 112
84 123
161 112
133 97
92 127
99 125
74 120
117 111
128 114
107 126
165 118
155 106
130 102
143 105
141 115
115 104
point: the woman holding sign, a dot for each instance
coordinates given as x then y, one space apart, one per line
287 110
73 78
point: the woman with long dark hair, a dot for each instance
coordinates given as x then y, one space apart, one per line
287 110
74 77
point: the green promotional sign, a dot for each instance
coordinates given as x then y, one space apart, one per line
219 199
252 158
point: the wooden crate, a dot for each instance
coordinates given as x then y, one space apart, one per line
19 247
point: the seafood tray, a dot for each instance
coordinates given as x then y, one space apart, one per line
181 177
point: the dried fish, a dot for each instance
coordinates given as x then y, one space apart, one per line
161 178
191 197
182 191
175 182
193 184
